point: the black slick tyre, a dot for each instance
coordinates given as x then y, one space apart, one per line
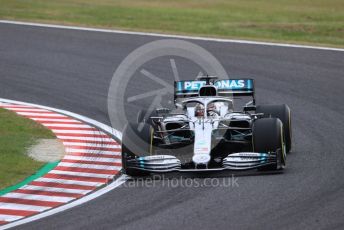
267 137
283 113
136 141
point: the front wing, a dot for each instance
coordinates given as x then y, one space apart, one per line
234 161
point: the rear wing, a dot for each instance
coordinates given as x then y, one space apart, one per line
225 87
235 87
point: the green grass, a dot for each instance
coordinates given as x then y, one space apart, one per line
296 21
16 135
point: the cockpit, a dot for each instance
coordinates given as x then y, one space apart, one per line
208 107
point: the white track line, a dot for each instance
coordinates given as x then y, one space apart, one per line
85 144
54 189
27 110
95 152
23 207
9 218
97 175
38 197
54 120
85 139
14 106
66 125
63 181
45 114
89 166
169 35
76 131
92 159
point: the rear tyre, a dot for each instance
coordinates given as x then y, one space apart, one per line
267 136
136 141
283 113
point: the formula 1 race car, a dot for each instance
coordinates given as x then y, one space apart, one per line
204 132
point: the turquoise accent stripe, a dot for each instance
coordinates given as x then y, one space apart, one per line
248 84
179 86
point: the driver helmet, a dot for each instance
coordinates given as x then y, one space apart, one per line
199 111
211 107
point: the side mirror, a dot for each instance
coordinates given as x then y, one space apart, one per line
250 108
162 111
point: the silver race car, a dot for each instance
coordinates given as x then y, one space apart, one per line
205 132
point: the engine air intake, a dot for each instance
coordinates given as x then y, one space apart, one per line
207 91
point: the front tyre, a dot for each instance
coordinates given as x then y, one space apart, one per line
267 136
144 117
136 142
283 113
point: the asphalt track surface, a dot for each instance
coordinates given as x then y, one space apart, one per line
71 70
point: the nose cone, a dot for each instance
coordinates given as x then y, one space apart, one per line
199 159
202 145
